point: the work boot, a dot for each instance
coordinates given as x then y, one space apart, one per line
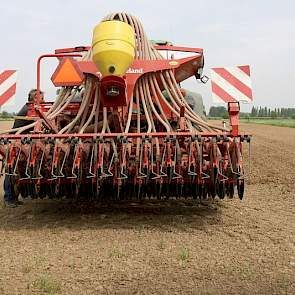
10 205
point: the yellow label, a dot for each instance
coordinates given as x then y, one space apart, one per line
173 63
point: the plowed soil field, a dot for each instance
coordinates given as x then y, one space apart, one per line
228 247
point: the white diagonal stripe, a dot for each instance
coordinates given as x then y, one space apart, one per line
8 83
216 98
10 102
240 75
230 89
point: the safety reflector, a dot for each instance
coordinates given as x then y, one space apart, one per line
7 87
230 84
67 74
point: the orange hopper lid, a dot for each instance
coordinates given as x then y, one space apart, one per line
67 74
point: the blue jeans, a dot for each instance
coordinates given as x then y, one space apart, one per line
8 197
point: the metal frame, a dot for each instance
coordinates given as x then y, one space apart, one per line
212 156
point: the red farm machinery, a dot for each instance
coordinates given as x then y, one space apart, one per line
111 133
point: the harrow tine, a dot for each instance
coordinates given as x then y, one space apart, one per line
16 164
66 154
190 161
54 162
155 175
162 173
249 159
40 166
203 175
122 173
142 152
76 161
28 163
240 175
225 178
175 175
100 158
109 172
91 174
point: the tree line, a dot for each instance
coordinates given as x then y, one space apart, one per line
272 113
256 112
6 115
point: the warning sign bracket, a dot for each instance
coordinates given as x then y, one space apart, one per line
67 73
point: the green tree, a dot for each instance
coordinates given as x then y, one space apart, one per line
219 111
254 112
265 112
5 115
273 114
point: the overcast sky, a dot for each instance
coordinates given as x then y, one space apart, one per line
232 32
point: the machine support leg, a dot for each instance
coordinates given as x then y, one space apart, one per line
234 111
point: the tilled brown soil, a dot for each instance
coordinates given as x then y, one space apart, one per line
229 247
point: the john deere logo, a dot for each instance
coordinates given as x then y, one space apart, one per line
135 71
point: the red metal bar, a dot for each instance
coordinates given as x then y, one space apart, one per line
37 100
234 111
158 47
72 49
115 135
179 48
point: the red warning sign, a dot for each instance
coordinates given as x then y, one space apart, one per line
67 74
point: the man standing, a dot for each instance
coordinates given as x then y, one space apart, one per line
10 198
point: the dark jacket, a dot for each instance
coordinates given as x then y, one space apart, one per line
21 123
